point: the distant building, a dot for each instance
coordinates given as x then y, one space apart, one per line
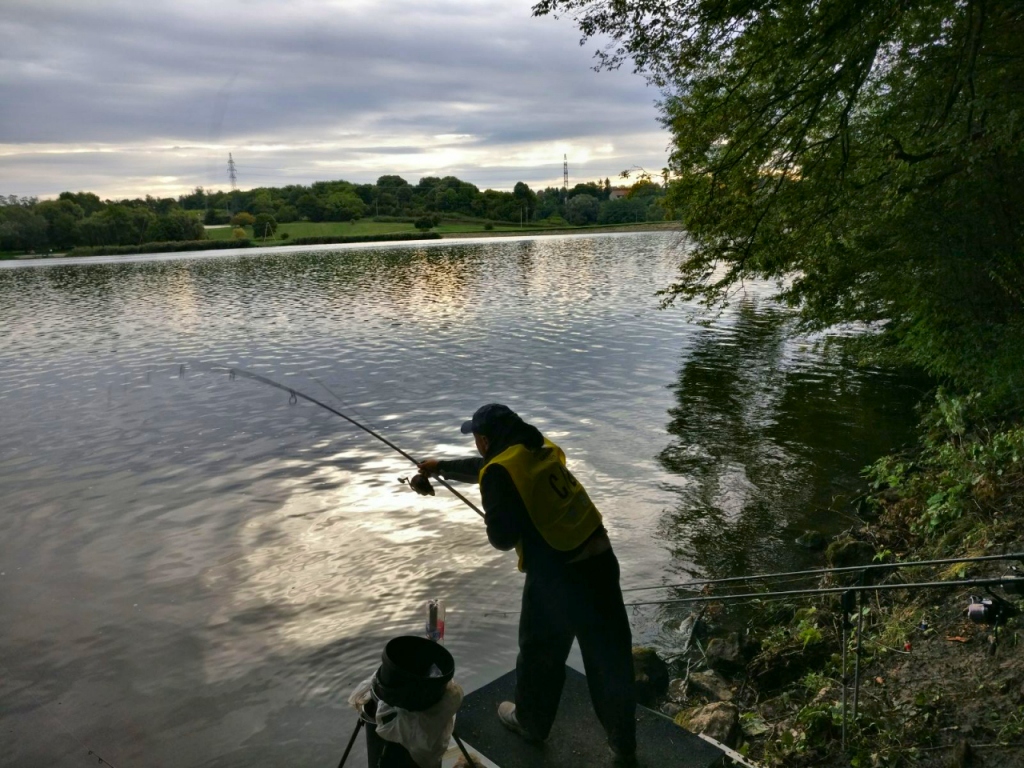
618 192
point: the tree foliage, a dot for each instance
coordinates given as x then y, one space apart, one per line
264 226
243 219
173 227
21 229
866 154
582 209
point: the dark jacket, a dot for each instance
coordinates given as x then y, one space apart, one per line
505 514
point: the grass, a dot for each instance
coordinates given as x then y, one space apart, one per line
319 229
369 227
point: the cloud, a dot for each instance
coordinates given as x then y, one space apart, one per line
109 96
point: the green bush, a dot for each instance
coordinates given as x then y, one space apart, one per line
965 467
171 247
264 226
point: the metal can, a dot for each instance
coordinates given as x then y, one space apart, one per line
435 621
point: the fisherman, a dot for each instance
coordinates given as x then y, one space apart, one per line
534 504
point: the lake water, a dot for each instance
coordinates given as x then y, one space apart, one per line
194 572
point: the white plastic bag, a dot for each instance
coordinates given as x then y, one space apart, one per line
424 734
362 694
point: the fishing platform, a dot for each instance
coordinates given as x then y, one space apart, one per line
577 738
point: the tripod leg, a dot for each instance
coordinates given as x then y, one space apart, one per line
845 619
848 602
462 747
351 741
856 663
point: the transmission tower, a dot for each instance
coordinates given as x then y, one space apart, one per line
565 173
231 172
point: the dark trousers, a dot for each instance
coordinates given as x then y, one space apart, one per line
581 601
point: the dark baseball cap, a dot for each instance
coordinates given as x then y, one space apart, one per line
487 417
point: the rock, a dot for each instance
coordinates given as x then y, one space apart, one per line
670 709
711 684
676 690
845 553
720 721
729 654
650 674
812 540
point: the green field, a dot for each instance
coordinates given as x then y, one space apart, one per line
350 228
318 229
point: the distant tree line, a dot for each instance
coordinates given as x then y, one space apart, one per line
83 219
447 197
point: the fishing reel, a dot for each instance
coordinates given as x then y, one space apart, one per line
990 611
995 610
419 483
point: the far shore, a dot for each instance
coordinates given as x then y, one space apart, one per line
443 235
651 226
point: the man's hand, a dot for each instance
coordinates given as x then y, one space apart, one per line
428 467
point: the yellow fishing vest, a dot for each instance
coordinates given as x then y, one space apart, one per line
558 505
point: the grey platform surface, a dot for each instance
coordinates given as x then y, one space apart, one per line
577 738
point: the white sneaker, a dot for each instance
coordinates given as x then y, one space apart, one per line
507 715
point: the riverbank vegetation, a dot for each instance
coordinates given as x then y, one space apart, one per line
324 209
868 156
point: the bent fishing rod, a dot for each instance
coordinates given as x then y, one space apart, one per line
295 394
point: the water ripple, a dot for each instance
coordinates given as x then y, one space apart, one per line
196 572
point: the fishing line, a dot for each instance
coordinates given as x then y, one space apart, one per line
294 395
699 585
348 405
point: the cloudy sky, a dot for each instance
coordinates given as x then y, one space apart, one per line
126 98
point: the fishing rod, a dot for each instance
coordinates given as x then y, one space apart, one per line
1016 585
295 394
821 571
1012 584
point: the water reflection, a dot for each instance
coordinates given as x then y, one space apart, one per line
769 437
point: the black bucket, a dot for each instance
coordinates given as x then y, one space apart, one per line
414 673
